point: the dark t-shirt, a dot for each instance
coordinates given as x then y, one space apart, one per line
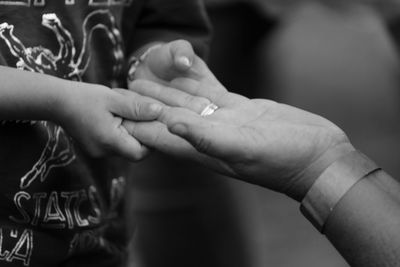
58 206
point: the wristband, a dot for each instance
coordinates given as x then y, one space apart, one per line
135 61
334 182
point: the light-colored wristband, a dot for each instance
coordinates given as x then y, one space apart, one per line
334 182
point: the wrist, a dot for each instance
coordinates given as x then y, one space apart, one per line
333 184
63 99
71 101
309 175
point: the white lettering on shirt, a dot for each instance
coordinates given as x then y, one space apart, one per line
20 250
58 210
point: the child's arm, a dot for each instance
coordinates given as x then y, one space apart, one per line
30 96
92 114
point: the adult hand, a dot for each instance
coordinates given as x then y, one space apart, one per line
257 140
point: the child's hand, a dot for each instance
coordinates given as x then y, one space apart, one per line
164 62
94 116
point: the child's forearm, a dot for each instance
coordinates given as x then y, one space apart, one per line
92 114
31 96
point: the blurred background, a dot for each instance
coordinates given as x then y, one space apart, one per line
335 58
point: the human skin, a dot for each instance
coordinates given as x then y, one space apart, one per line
92 114
273 145
238 128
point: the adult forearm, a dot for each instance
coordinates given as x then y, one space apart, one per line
364 226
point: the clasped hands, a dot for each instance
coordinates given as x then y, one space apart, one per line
256 140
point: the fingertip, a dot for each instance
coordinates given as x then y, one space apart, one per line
139 154
144 152
183 54
178 129
155 108
137 151
147 111
183 63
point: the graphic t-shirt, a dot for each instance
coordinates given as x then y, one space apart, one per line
58 206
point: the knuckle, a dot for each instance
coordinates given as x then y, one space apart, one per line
165 115
137 110
187 100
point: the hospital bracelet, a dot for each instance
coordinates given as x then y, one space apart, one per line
334 182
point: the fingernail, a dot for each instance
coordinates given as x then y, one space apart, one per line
184 61
155 108
179 129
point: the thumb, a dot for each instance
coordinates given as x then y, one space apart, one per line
182 54
171 60
195 135
206 138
